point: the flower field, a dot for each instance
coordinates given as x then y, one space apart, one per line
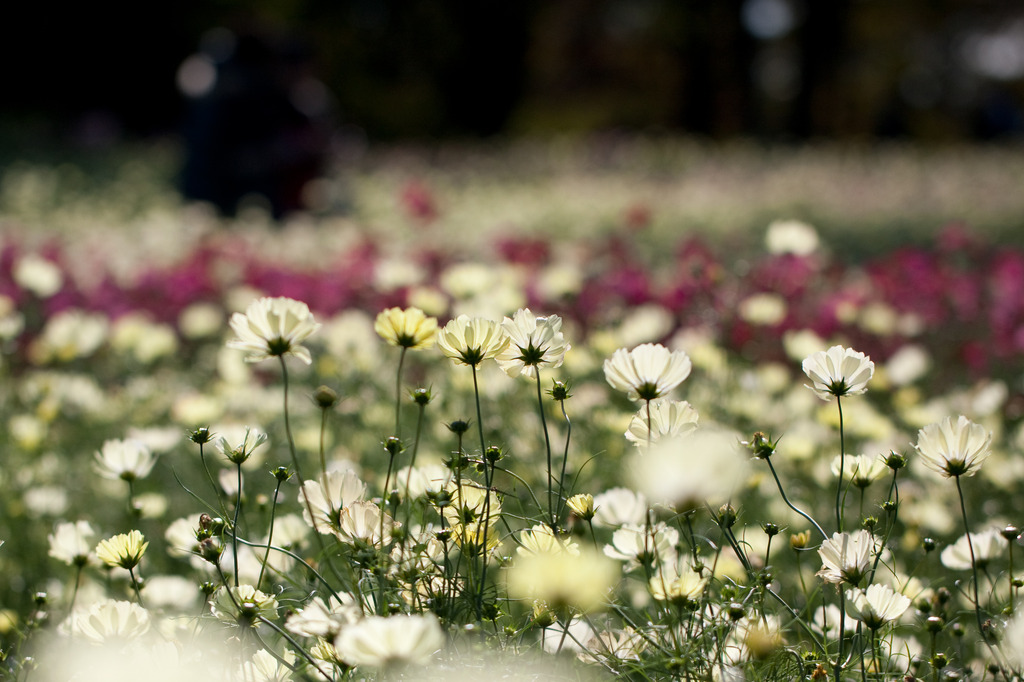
626 410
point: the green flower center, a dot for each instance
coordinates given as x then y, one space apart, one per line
473 356
531 355
278 346
648 390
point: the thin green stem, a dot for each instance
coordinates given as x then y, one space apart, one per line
479 417
135 584
552 518
842 463
234 521
323 457
270 533
78 581
295 645
771 467
874 650
842 633
565 456
298 470
209 476
412 457
974 563
487 495
398 393
287 421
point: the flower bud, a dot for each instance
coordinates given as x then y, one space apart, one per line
761 445
421 396
895 460
393 445
459 426
727 516
800 540
325 397
560 391
201 435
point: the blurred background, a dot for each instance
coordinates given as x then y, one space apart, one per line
929 69
277 85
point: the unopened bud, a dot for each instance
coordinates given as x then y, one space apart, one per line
325 397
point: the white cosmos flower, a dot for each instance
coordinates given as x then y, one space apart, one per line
838 371
409 328
37 274
579 580
791 236
619 506
845 557
265 667
706 465
648 371
987 545
124 550
953 448
668 418
877 605
1013 637
125 459
273 327
72 543
541 539
641 543
677 581
328 498
861 470
110 620
322 619
533 342
471 340
361 522
379 642
244 603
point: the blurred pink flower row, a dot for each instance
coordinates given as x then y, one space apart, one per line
959 297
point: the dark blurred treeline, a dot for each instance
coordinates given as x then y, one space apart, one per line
928 69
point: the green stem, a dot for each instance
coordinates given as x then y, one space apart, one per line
398 393
842 633
842 463
295 645
287 421
565 457
209 476
78 582
874 650
552 519
298 470
135 584
487 494
479 418
270 533
974 565
323 458
771 467
234 521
